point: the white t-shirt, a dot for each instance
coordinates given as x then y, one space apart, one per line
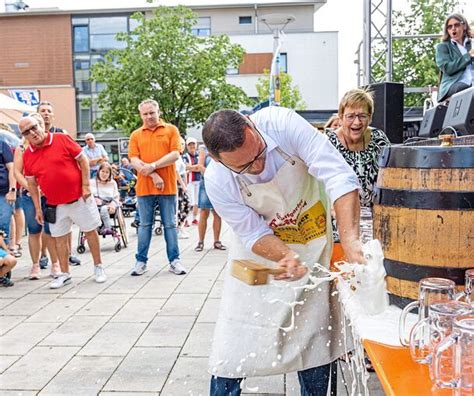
107 190
282 128
180 167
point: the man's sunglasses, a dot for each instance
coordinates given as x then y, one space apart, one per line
27 131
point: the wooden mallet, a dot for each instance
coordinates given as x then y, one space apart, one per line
252 273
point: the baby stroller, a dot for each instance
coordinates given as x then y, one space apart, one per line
127 193
157 224
118 233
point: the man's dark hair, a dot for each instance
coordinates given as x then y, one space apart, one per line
224 131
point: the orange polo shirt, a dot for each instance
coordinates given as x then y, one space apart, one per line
150 145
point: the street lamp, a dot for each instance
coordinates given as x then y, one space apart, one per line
276 23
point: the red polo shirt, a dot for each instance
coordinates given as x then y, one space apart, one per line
55 168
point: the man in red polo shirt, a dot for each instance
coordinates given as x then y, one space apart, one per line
56 164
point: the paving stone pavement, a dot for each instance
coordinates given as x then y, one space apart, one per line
146 335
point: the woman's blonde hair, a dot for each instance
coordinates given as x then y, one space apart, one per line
357 97
333 118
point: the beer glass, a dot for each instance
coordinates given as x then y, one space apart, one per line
453 358
429 332
430 290
467 295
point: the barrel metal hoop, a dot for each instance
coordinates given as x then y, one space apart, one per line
427 157
448 200
415 273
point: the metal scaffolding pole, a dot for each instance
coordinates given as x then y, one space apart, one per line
377 39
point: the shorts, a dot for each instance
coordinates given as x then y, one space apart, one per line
29 208
204 201
83 213
18 202
3 253
193 192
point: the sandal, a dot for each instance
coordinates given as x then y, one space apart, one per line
15 253
219 246
199 247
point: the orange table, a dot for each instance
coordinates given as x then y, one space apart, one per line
399 374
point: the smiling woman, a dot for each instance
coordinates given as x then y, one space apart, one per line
359 144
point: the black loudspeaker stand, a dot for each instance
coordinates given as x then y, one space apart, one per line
460 114
432 123
388 112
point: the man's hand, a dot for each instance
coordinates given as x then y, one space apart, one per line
158 181
147 169
10 197
294 268
353 252
86 192
39 217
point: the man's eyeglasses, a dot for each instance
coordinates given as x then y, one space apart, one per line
352 116
27 131
454 25
248 165
89 139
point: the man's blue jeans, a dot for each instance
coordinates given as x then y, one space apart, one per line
146 207
6 212
313 382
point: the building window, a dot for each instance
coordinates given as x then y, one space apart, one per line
202 27
81 38
245 20
93 37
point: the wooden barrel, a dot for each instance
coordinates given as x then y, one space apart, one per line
424 215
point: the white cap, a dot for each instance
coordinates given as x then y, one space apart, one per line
190 140
89 135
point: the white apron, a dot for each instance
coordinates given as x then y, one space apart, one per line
249 340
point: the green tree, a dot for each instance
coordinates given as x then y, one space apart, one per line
163 60
414 59
290 95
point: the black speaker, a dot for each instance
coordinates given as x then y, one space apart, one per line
388 112
432 123
460 114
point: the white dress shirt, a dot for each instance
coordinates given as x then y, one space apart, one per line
468 75
282 128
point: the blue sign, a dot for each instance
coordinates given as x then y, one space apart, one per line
28 97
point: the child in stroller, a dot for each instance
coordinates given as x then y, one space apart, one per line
105 191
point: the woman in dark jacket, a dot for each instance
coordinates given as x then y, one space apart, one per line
454 57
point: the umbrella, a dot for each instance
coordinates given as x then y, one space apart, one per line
11 110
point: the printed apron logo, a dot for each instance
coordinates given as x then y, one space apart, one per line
298 227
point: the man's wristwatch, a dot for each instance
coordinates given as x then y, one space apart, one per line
12 189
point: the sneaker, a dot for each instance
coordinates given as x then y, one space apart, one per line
99 274
35 273
73 260
177 268
140 269
195 222
60 281
135 224
44 262
55 270
183 234
5 281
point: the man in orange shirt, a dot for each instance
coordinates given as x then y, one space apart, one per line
153 150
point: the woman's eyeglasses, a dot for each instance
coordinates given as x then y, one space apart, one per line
352 116
454 25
